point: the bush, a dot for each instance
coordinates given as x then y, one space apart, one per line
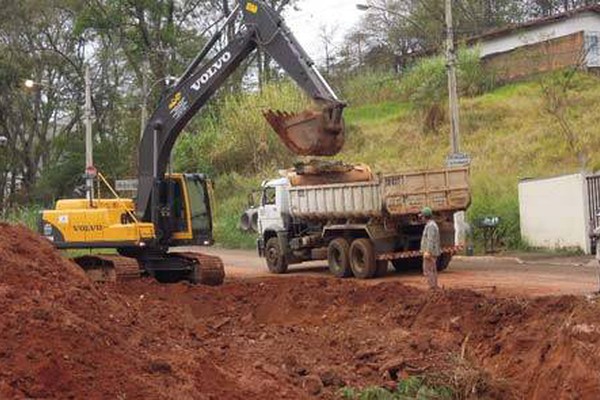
231 199
27 216
425 85
498 200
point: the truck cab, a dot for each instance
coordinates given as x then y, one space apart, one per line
274 203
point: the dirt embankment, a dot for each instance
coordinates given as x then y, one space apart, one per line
293 338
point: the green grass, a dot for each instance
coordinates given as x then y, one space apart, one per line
24 215
412 388
381 113
231 195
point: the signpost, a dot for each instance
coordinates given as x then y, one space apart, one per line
458 160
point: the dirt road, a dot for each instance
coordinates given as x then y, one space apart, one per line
525 275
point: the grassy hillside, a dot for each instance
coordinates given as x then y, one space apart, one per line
506 131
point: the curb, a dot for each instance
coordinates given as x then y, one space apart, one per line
518 260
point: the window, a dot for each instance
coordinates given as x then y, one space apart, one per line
592 50
268 197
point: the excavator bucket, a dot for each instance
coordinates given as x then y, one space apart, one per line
309 133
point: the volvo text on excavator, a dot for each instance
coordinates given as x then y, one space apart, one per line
173 210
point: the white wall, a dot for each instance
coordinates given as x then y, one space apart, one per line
587 21
554 213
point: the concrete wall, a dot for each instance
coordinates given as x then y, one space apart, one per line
554 212
587 21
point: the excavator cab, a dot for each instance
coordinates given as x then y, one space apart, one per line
184 216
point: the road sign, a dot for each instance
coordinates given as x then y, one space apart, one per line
91 171
126 185
458 160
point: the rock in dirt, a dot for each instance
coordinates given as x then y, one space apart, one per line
313 385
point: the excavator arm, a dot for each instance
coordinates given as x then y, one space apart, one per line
307 133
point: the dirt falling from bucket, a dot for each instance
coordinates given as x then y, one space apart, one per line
309 133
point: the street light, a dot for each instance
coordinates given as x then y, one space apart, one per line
367 7
31 84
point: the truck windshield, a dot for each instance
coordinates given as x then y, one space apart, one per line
268 197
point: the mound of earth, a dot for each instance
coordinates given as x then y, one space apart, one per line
323 334
62 337
290 338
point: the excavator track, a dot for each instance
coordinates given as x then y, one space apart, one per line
209 269
205 269
109 268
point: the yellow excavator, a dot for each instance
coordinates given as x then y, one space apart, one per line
173 210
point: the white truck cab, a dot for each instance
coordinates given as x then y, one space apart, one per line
274 205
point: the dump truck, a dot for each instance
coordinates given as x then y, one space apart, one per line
361 226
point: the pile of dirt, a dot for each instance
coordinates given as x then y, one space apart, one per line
290 338
62 337
321 334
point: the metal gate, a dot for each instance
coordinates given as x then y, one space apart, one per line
593 201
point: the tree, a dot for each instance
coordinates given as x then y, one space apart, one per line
34 43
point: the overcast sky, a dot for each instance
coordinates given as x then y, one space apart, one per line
336 15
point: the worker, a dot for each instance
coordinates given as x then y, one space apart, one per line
430 247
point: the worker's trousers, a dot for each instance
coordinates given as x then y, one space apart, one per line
430 271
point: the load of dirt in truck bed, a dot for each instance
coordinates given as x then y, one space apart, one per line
292 337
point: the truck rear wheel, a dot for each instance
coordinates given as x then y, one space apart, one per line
276 261
338 254
362 259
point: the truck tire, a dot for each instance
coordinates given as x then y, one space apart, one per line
382 268
443 261
276 261
338 258
362 259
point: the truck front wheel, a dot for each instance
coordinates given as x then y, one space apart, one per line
338 253
276 261
362 259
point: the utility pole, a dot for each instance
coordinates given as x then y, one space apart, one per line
90 170
452 90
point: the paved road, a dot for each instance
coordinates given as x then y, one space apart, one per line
526 275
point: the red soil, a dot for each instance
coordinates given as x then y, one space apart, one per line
62 337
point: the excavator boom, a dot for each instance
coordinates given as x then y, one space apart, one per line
319 132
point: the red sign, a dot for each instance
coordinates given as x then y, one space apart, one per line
91 171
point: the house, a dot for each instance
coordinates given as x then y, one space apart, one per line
563 40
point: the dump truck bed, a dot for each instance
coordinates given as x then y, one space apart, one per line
393 195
